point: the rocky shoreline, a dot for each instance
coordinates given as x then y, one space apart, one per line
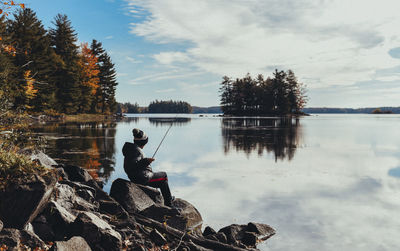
67 209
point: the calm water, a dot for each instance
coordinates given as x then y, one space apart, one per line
325 182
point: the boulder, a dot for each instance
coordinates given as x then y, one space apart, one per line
10 238
153 193
22 201
187 219
98 233
43 159
31 240
249 239
66 195
76 173
209 231
57 221
39 156
190 214
262 230
111 207
130 196
62 175
75 243
234 233
43 228
247 235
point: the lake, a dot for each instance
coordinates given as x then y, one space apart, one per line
324 182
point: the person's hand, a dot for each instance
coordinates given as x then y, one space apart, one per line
151 159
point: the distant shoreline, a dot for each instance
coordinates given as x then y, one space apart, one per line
367 110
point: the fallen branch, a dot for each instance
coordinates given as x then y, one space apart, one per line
206 243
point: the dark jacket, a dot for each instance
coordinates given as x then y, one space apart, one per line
136 166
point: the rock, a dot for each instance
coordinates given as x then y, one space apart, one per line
43 159
234 233
43 229
157 238
57 220
249 239
66 196
61 174
10 237
246 235
221 237
31 240
191 215
97 232
22 201
99 192
39 157
76 173
188 219
112 207
260 229
75 243
153 193
130 196
209 231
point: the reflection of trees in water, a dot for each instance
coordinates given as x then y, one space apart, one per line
90 145
168 121
278 135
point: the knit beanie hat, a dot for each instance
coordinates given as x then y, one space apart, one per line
139 134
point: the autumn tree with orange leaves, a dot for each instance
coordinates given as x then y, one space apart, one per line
89 77
44 71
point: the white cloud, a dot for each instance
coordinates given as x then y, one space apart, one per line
109 37
132 60
171 57
165 90
331 42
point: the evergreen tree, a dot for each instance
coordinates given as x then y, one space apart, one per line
9 90
66 74
33 57
279 95
105 96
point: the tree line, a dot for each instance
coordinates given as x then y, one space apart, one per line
282 94
46 71
156 106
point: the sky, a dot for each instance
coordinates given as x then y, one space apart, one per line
347 53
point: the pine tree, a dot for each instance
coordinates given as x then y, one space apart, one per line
66 77
8 82
105 96
33 55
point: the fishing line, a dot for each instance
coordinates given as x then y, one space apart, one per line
165 135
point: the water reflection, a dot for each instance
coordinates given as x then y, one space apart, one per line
168 121
395 172
281 136
90 145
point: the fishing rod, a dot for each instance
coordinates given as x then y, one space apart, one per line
165 135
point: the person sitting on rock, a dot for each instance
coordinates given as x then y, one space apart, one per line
138 168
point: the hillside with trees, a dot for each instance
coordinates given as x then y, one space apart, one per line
280 95
45 71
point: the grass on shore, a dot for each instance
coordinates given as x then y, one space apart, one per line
14 166
87 118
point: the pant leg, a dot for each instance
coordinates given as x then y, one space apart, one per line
160 180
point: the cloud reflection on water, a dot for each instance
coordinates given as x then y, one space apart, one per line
336 192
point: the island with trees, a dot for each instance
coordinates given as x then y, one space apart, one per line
282 94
